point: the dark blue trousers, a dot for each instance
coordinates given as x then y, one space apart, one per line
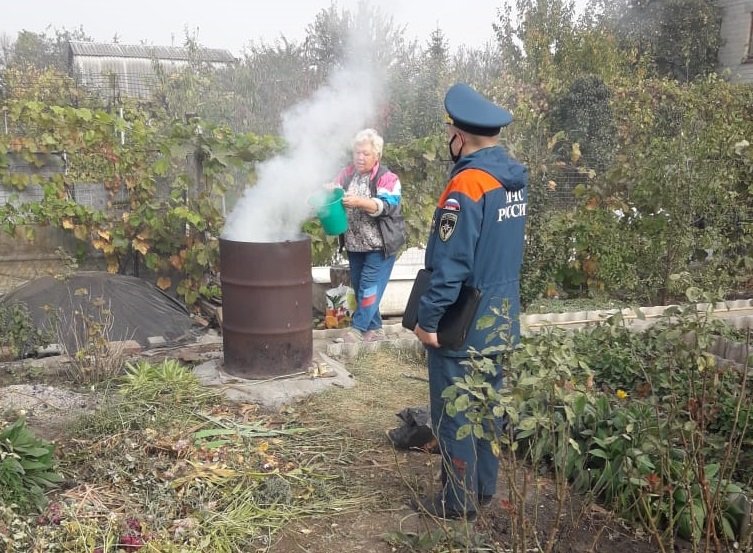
369 275
469 468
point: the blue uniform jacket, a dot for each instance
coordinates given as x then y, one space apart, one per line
477 237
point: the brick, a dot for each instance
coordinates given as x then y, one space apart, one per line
128 347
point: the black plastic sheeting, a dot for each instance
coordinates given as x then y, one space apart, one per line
123 307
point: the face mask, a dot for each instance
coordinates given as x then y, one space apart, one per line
454 157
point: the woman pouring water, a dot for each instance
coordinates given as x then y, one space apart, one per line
376 231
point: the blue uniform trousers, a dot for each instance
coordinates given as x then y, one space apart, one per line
369 275
469 468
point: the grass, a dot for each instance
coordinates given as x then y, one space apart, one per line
386 382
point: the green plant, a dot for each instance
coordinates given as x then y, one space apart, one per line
165 179
585 117
18 331
26 466
148 395
168 380
644 421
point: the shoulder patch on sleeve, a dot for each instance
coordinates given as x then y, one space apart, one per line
447 224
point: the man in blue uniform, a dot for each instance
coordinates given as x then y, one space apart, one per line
476 239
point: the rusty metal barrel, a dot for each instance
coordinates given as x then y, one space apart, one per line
266 307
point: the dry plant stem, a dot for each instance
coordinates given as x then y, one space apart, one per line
655 532
746 541
597 537
522 524
561 489
734 446
517 530
693 449
94 359
698 455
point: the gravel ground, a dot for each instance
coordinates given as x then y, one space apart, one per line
47 408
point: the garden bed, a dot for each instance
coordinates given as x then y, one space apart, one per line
166 462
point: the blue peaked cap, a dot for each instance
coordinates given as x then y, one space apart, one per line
469 111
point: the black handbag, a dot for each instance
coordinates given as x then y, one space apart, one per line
455 323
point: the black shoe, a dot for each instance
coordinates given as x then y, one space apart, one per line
435 507
485 500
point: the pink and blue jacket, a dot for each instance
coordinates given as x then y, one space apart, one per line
385 189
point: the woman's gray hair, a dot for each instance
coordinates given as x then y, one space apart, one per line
372 137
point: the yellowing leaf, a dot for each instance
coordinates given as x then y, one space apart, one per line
112 267
552 142
590 266
140 246
551 185
103 234
68 224
126 215
81 292
575 154
163 283
80 232
176 261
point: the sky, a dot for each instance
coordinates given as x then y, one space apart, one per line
232 24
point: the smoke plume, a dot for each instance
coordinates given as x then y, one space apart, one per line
317 132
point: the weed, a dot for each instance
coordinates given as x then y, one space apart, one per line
85 334
149 396
26 466
18 332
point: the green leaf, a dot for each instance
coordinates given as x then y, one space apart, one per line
463 432
487 321
699 515
33 465
727 529
161 166
215 444
694 294
711 470
598 453
684 525
462 403
84 113
211 432
529 423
